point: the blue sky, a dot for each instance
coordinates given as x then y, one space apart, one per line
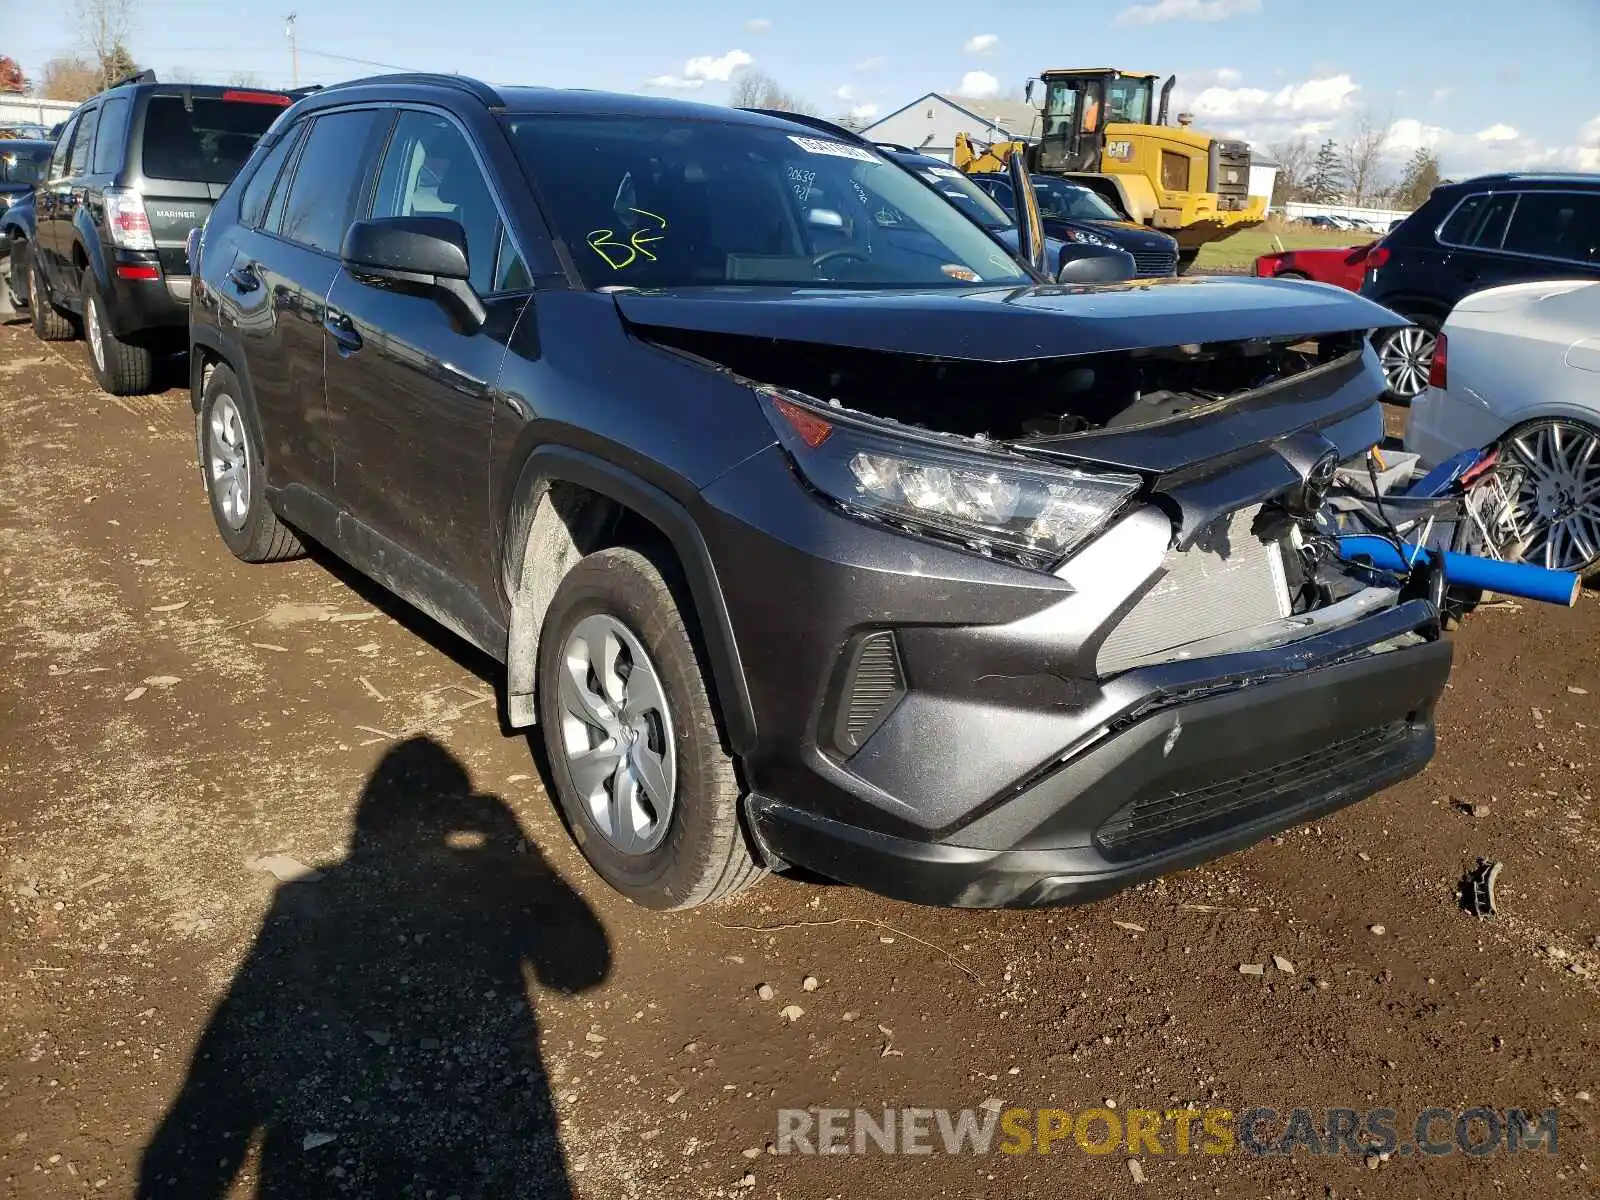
1483 88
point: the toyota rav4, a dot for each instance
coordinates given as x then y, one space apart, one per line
813 528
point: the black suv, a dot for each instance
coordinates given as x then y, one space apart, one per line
1474 235
812 529
133 171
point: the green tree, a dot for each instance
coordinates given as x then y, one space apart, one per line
1325 182
1421 176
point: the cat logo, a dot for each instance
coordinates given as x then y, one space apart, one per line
1119 150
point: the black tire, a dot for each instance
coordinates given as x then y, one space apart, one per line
50 324
1301 275
1186 261
256 535
703 855
121 368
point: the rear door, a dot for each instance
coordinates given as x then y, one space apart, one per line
1555 235
1471 239
189 148
275 290
53 206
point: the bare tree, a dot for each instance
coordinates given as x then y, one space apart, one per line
757 89
69 77
1363 158
106 26
1294 166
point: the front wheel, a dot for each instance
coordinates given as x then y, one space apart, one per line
1552 468
1186 259
1406 356
636 760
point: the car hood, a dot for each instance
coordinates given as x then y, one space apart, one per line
1010 324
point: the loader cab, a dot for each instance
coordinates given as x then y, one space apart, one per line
1077 107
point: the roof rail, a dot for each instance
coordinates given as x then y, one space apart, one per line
818 123
145 76
464 83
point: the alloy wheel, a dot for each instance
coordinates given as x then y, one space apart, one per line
616 734
1557 502
1406 356
228 462
91 329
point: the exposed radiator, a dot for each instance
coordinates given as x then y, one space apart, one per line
1228 580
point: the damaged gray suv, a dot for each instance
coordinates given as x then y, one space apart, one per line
814 530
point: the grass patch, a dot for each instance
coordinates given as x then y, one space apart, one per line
1236 253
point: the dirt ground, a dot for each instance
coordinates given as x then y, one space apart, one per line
284 910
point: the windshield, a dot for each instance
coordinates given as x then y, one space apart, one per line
670 202
205 140
23 164
967 196
1069 202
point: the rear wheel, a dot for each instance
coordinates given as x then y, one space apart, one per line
1406 356
1301 275
230 464
17 274
121 368
1554 466
50 324
637 762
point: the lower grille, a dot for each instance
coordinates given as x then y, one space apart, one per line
1153 824
1228 580
1155 264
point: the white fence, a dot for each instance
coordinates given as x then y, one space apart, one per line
16 110
1296 211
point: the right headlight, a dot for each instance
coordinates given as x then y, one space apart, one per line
995 503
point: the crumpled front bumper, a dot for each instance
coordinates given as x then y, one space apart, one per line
1216 755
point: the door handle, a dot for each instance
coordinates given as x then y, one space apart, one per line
343 332
244 278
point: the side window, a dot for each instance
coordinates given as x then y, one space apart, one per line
113 133
1564 225
510 272
429 171
58 156
82 142
1479 221
253 203
328 180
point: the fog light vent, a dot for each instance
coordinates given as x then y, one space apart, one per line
874 685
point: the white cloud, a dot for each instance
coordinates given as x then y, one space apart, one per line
981 43
1497 133
1312 98
1186 10
701 70
876 63
864 112
979 85
1441 94
1312 128
845 93
757 25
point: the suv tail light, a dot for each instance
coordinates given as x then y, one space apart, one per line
1439 369
127 221
1377 257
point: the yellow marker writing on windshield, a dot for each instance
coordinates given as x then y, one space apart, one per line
619 254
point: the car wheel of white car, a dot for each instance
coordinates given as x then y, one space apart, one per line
1555 467
1406 355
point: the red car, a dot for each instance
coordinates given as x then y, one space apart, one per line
1341 265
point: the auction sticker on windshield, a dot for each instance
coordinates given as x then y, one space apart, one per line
838 149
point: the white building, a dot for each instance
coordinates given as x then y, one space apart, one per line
30 110
930 123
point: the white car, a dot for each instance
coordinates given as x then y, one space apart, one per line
1519 367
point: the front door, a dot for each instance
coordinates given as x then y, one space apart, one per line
410 393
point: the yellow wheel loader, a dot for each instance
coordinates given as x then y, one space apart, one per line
1099 127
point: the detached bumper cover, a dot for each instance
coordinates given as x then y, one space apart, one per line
1176 783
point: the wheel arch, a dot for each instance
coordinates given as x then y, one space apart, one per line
567 504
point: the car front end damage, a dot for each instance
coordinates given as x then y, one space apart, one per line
1023 629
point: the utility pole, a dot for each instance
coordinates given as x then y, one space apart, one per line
294 49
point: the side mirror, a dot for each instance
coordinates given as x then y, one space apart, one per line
1027 93
421 255
1095 264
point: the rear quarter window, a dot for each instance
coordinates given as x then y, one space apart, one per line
113 133
253 203
203 139
1479 221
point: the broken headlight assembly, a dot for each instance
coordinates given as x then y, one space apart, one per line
989 501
